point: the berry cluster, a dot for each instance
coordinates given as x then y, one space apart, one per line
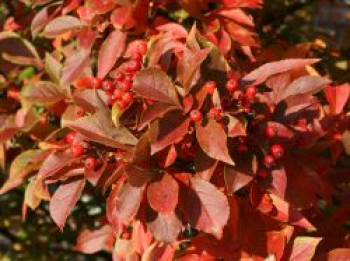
78 150
243 97
276 150
118 91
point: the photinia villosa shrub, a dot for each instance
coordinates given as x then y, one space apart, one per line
203 147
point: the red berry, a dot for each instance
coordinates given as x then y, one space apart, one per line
215 113
132 66
277 151
119 76
270 132
90 163
126 235
128 97
262 173
77 150
117 94
187 103
196 115
14 93
250 92
79 111
210 87
122 105
129 77
231 85
247 108
111 100
70 137
269 161
125 85
142 47
108 87
238 95
96 83
137 56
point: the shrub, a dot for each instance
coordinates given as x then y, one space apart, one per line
198 143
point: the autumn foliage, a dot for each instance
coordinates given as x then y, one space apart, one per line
203 144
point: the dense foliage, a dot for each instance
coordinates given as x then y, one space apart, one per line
169 130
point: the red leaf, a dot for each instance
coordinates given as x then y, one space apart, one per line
155 84
279 182
163 194
304 248
236 15
123 205
213 140
165 227
90 242
167 157
154 111
159 253
189 67
288 213
54 163
22 166
122 17
236 179
205 166
304 85
61 25
261 74
337 97
75 65
177 31
339 254
100 128
141 237
43 93
243 3
207 208
112 48
64 200
168 130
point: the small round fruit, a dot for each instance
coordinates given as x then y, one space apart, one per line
269 161
133 66
90 163
125 85
122 105
77 150
108 87
71 137
196 115
238 95
187 103
142 47
232 85
129 77
262 173
210 87
270 132
250 92
277 151
96 83
119 76
117 94
215 113
126 235
128 97
137 56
